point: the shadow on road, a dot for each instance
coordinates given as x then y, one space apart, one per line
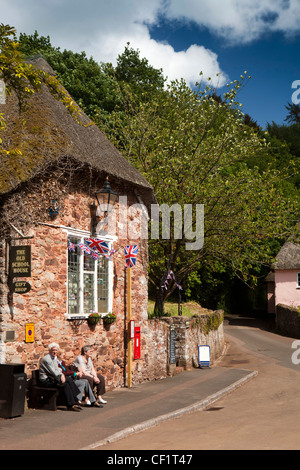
262 322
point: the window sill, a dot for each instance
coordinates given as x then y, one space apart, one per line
76 317
80 316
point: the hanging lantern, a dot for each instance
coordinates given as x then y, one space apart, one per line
106 197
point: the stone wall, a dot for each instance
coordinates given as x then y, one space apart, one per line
206 329
189 334
288 320
154 360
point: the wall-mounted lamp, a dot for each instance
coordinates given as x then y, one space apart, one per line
106 197
53 209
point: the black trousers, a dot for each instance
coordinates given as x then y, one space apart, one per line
69 389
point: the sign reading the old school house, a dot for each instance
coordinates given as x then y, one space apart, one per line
20 261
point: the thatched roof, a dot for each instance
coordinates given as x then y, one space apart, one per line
270 277
51 132
288 257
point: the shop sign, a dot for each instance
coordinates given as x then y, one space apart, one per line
21 287
20 261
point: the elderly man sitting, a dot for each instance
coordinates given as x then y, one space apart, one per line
50 375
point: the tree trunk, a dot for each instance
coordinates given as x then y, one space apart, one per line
159 302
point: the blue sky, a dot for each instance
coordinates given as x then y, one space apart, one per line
183 37
272 61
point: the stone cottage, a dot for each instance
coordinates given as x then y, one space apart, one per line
52 277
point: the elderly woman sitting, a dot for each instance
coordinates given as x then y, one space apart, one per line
84 364
50 375
82 384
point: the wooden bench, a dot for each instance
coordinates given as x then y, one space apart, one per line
42 397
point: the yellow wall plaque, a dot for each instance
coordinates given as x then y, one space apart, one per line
29 333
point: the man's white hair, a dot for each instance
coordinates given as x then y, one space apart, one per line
53 345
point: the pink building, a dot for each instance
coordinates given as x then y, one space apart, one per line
284 281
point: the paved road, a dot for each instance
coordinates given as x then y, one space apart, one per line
263 414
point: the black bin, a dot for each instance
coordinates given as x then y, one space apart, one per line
12 390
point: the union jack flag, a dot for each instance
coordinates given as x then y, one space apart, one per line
84 248
94 255
130 255
71 246
96 244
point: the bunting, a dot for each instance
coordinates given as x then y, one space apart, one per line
96 248
170 276
71 246
95 253
85 248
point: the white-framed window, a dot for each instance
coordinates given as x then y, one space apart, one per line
298 280
89 282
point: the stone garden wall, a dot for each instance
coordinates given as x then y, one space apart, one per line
162 358
288 320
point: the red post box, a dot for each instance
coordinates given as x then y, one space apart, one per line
137 343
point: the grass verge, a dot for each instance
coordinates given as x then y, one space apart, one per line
189 309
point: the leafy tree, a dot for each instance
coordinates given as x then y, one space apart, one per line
86 81
250 122
22 79
290 135
194 149
294 113
137 72
96 87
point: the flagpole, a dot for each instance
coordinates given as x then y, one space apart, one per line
130 255
129 378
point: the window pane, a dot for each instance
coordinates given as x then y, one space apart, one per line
88 292
73 279
88 283
88 263
102 283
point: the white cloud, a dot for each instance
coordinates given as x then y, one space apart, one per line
239 21
183 64
102 28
